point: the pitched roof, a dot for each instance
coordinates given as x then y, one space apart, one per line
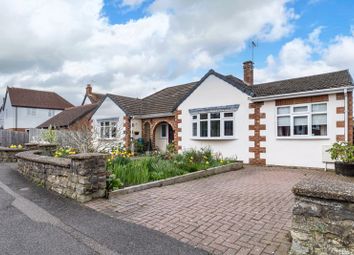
168 99
37 99
93 97
69 116
165 100
308 83
131 106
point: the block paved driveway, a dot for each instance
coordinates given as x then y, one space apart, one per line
240 212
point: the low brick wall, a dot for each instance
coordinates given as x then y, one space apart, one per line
81 177
9 154
323 217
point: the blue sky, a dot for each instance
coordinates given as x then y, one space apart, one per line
335 18
135 47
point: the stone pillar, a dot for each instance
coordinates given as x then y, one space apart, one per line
323 217
89 172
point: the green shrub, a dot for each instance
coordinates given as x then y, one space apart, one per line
343 152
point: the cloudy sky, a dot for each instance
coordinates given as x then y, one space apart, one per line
135 47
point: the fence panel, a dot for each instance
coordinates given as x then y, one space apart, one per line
9 137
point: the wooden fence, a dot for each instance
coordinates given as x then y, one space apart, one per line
9 137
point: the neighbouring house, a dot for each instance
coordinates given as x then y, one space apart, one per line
26 108
90 97
290 122
72 118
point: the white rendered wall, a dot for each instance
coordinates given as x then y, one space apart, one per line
216 92
136 127
25 120
108 110
298 152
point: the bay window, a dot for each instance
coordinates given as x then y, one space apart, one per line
302 120
213 125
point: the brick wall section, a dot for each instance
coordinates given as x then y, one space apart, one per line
178 138
171 120
350 117
126 126
341 111
256 138
301 100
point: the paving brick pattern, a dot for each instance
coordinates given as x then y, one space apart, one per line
241 212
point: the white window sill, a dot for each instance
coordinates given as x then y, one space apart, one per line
303 138
213 138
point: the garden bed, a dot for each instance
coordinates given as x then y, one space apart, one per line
163 169
181 178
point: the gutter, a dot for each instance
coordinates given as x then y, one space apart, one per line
299 94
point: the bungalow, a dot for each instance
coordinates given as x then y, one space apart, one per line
290 122
26 108
72 118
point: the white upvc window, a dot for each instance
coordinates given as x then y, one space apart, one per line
308 120
213 125
108 129
50 113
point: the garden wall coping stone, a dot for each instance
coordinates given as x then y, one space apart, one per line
181 178
37 157
323 216
332 189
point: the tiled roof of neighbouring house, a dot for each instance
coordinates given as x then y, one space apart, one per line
37 99
69 116
308 83
94 97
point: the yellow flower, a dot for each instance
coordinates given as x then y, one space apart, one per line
207 162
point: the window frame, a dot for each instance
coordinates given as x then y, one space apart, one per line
308 113
164 126
196 120
110 127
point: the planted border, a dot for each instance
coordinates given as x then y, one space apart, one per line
181 178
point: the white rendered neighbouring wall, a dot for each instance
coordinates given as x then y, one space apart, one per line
216 92
108 110
305 152
25 118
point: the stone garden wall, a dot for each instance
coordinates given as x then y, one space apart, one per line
81 177
9 154
323 217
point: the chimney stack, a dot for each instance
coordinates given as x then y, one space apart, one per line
248 72
88 89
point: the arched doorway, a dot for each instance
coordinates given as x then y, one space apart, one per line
163 135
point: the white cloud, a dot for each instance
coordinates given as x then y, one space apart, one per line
132 3
63 44
306 56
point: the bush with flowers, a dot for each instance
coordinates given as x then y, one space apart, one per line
63 152
125 171
14 146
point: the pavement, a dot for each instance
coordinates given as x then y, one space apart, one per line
36 221
248 211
